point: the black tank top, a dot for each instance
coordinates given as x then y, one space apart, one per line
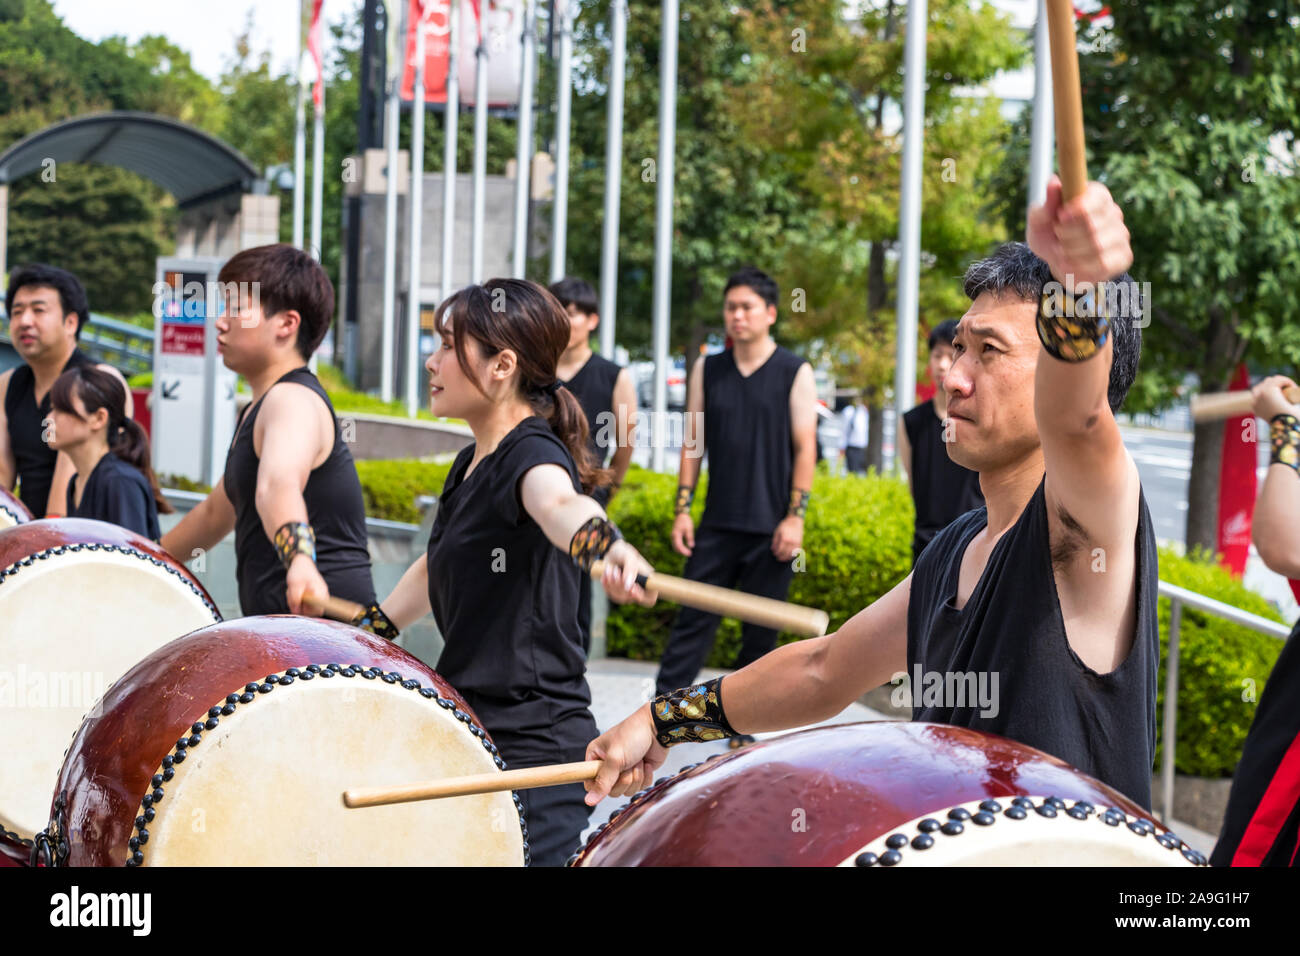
34 459
1011 631
747 436
941 489
593 386
336 511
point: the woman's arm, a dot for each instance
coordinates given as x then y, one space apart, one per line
409 600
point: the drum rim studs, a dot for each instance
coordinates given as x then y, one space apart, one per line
167 767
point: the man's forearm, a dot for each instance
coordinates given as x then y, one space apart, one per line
620 462
782 689
194 532
280 502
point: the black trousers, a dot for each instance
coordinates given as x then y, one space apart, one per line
556 817
729 559
855 460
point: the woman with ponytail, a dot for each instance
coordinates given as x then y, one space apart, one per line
514 530
114 482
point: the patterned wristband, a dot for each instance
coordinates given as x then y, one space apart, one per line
685 495
295 538
799 503
376 622
1072 328
691 715
1284 435
592 542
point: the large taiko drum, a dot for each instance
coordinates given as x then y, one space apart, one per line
233 745
80 602
12 511
883 794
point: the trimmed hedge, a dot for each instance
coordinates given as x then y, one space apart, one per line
1221 671
852 555
391 487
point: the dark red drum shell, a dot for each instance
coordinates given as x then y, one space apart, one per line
108 768
814 797
16 509
24 540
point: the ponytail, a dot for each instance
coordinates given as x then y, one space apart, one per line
569 423
128 441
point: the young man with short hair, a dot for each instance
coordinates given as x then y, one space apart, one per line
942 490
290 489
46 307
753 407
608 398
1013 589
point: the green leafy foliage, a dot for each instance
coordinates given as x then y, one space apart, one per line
391 486
1222 667
852 555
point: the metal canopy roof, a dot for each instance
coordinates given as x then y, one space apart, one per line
188 163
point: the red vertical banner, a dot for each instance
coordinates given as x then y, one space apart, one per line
1237 483
315 48
436 19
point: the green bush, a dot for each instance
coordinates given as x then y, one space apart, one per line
1222 667
857 545
390 487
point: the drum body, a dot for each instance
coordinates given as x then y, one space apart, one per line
80 602
887 793
233 746
12 511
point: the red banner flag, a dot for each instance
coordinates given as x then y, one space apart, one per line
316 48
1237 484
434 16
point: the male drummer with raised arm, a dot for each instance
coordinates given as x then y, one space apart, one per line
290 489
1050 590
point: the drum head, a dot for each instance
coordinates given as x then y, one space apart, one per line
265 786
73 618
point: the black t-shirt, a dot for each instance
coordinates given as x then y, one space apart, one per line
942 490
33 457
747 437
1011 630
118 493
593 386
506 602
336 510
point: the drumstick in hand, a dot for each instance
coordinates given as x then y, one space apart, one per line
526 779
1067 104
1213 406
780 615
336 608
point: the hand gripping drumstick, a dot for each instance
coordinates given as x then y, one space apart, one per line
1213 406
1066 101
781 615
336 608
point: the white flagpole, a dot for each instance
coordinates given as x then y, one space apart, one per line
451 127
524 150
564 84
480 154
417 202
396 66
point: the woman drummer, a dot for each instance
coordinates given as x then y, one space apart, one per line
497 577
114 482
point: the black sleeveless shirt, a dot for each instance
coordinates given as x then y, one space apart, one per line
506 602
1011 631
34 459
593 386
942 490
747 436
336 511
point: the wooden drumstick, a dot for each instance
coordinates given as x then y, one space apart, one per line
1213 406
1066 100
526 779
336 608
781 615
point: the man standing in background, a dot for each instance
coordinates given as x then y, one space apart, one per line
853 435
608 398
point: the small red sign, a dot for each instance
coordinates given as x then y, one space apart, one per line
182 339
